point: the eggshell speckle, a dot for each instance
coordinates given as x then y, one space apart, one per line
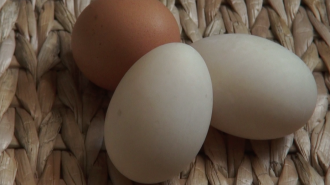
110 35
261 90
159 114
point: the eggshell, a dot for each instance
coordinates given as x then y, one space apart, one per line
160 113
261 90
110 35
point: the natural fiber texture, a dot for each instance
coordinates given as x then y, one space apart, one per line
52 117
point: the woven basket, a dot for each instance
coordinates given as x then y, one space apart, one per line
52 117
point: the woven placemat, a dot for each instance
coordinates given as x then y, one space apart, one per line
52 117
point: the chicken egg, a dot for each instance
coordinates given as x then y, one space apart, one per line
159 114
261 90
110 35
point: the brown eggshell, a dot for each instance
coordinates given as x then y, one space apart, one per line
111 35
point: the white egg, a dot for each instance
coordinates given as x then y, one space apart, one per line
160 113
261 90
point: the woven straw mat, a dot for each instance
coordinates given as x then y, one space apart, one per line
52 117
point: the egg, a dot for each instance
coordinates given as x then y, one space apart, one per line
261 90
159 114
111 35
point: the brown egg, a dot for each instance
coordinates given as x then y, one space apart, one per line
111 35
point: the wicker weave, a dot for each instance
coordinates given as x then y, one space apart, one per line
52 117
